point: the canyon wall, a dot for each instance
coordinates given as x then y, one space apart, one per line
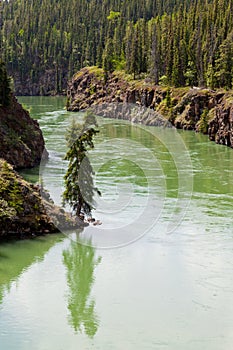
201 110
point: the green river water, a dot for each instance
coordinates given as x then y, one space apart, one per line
157 274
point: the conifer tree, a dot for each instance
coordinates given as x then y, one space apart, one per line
135 54
155 54
79 186
224 64
108 57
183 40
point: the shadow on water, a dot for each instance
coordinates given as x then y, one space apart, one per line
31 175
80 261
17 257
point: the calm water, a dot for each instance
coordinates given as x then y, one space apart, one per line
156 275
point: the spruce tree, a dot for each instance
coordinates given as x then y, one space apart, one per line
108 58
186 41
79 185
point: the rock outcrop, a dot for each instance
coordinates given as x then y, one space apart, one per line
221 126
202 110
21 140
24 212
89 87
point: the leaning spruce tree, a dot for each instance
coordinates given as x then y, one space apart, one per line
79 186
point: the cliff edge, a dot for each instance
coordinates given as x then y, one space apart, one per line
191 108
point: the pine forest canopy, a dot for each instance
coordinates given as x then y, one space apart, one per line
177 42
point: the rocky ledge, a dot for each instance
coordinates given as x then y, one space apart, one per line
22 143
202 110
24 212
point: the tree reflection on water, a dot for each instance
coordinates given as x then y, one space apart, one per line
80 262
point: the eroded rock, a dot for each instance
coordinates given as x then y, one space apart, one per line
201 110
21 140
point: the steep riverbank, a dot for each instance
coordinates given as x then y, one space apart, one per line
22 143
202 110
24 213
24 210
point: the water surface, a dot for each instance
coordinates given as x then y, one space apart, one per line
167 205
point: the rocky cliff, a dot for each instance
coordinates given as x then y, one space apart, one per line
202 110
221 125
22 143
24 212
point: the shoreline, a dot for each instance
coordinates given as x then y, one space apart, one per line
189 108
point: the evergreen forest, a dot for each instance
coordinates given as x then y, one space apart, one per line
172 42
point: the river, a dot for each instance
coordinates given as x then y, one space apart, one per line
157 274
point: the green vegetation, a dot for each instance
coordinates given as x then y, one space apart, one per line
11 202
79 187
203 122
177 43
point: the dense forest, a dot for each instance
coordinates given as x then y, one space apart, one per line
175 42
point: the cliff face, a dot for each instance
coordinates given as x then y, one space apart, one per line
196 109
23 211
22 143
89 87
221 126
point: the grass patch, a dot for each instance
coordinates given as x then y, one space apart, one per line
98 72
